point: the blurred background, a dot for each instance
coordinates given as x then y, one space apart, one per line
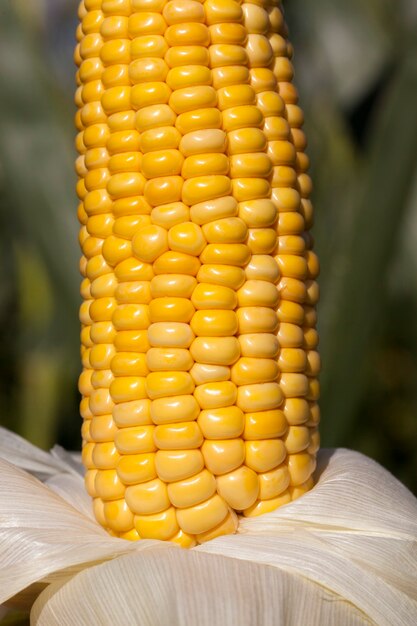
356 70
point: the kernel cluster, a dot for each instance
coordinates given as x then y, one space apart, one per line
199 343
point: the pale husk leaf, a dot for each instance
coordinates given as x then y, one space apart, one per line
41 534
185 588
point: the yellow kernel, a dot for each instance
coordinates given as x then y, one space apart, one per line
292 289
291 244
199 119
184 540
228 230
125 184
157 526
102 332
136 413
223 275
214 323
264 455
108 485
259 397
172 335
133 292
125 162
170 310
290 335
267 506
148 70
154 116
179 436
148 497
174 465
162 163
274 482
239 488
188 76
149 243
204 188
259 345
87 455
221 423
89 480
168 215
135 205
135 440
255 18
165 359
232 34
187 34
179 11
172 285
300 467
204 373
262 267
223 456
204 516
118 515
215 350
235 95
101 356
219 208
203 141
293 385
258 213
292 360
207 296
162 138
115 250
144 95
246 140
214 395
264 425
148 46
132 341
187 238
161 384
297 439
262 78
132 269
258 293
225 11
123 141
131 317
146 23
250 188
261 240
128 388
136 468
101 378
296 411
193 490
227 527
249 371
257 320
187 55
174 409
190 98
228 254
103 286
227 54
102 428
205 165
164 190
247 116
129 364
290 312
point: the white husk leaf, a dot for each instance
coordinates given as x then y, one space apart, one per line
185 588
345 553
41 534
20 452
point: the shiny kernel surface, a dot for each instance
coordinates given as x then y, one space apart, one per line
199 341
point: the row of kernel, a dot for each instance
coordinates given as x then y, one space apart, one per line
295 285
284 72
92 120
199 509
222 418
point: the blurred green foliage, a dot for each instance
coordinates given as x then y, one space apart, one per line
356 69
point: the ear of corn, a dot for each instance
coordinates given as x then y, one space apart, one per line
199 388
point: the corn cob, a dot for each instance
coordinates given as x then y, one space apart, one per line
198 342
